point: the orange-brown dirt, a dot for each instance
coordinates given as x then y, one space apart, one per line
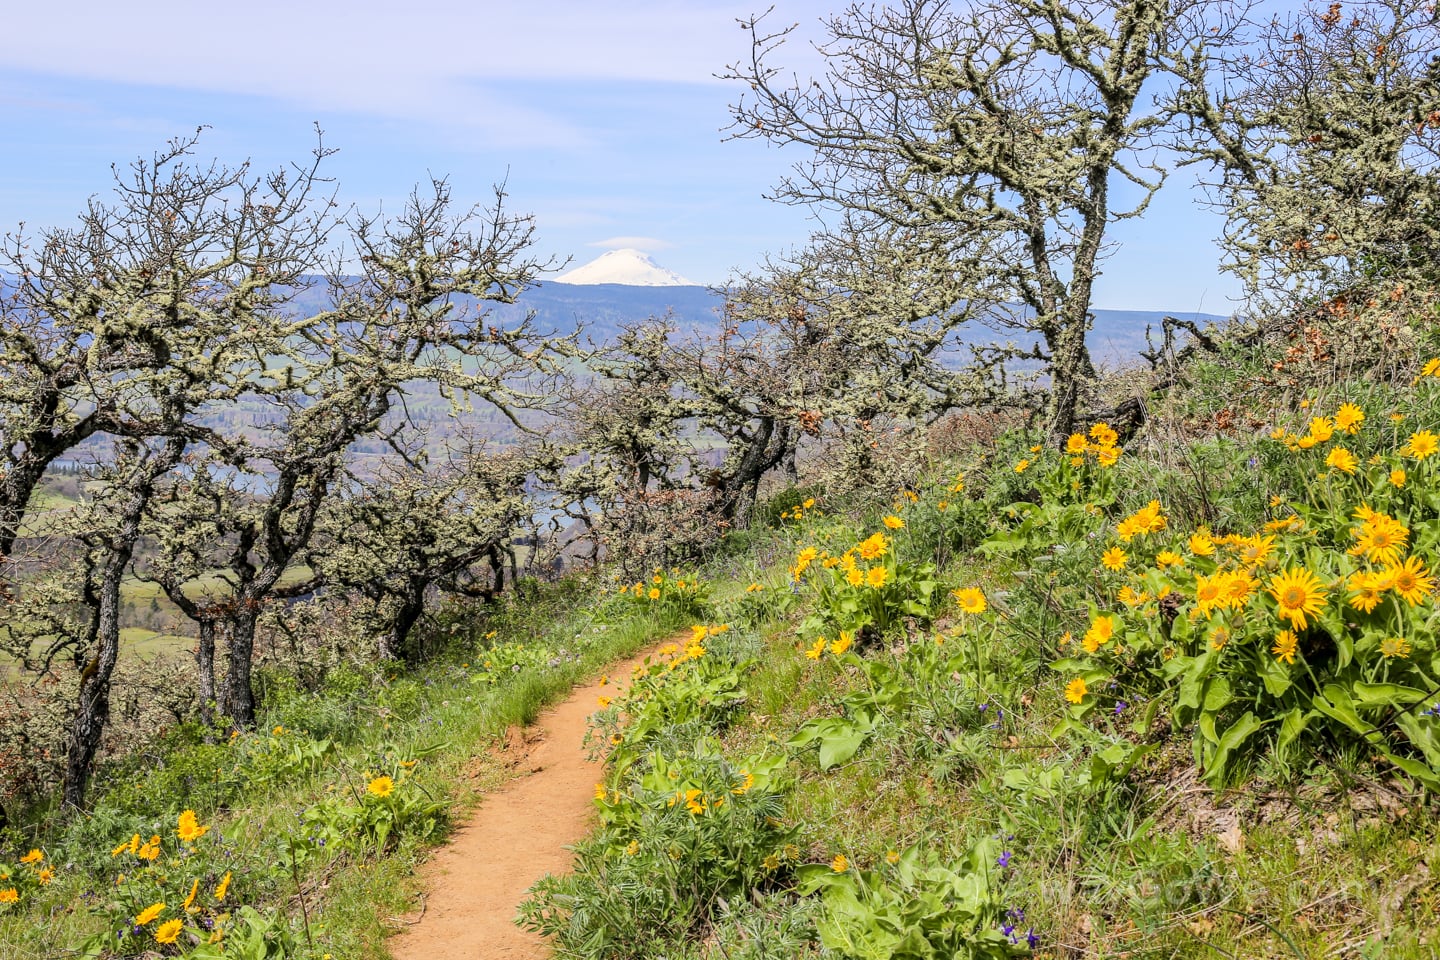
519 833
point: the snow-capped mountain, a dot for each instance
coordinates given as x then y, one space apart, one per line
630 267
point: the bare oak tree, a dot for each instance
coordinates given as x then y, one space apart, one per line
994 129
1320 130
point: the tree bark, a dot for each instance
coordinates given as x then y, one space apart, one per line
92 710
237 699
205 667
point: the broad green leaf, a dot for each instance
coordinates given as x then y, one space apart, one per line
1240 731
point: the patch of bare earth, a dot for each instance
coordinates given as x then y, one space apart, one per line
475 883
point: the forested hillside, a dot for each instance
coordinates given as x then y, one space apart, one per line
957 646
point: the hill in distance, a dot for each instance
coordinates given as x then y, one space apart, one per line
626 286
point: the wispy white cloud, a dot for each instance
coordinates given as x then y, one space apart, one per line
632 243
442 63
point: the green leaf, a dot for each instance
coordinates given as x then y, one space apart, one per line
1240 731
837 749
1275 677
1217 694
1292 725
1335 702
1386 694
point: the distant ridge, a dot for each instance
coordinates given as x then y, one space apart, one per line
630 267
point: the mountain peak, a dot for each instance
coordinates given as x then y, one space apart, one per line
627 266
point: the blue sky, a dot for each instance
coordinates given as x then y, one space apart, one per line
606 119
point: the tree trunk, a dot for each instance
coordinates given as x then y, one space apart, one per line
237 700
1070 369
393 640
205 667
16 485
18 482
93 708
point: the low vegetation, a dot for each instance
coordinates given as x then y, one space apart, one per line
979 659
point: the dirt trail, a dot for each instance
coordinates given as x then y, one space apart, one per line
518 834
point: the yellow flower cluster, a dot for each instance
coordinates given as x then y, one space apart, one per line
1100 444
837 647
1147 519
189 829
36 870
798 513
696 802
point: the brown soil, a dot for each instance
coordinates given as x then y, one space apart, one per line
519 834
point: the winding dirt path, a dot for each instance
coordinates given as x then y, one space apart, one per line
519 833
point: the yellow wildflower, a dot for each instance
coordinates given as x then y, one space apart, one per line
1076 690
1252 551
817 648
1394 647
1341 459
1239 587
893 522
1322 429
1210 592
150 850
1421 444
840 864
1022 466
1102 434
1284 649
1380 538
1114 559
971 599
1101 631
843 643
1131 597
223 887
189 829
877 576
34 856
381 787
1349 417
1298 593
872 547
1410 580
149 914
1367 588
